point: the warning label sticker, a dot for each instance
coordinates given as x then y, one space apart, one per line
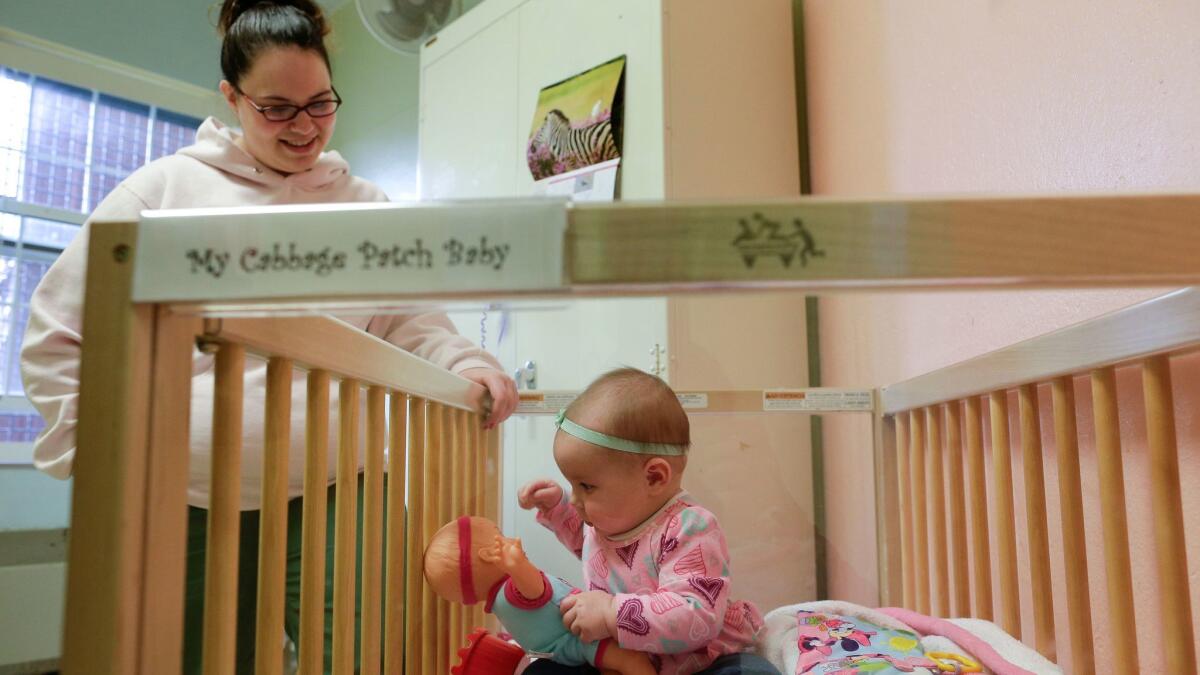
534 402
693 401
819 400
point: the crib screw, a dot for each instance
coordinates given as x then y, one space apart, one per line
207 345
121 252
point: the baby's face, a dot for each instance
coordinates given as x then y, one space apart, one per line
609 489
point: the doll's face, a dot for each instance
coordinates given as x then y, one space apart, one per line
443 564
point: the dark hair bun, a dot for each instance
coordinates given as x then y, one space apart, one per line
249 26
232 10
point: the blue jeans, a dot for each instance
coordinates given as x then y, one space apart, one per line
730 664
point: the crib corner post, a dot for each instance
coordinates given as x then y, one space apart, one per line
887 511
128 507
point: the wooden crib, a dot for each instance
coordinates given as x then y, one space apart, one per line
931 424
150 303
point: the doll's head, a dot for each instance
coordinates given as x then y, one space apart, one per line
452 563
623 446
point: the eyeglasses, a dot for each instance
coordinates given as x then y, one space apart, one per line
286 113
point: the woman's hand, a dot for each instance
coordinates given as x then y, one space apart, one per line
541 494
502 388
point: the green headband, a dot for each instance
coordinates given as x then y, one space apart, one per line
613 443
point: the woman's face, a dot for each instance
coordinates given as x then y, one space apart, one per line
283 76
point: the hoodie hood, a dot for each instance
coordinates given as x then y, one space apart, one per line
216 145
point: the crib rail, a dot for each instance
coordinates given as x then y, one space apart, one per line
631 248
129 520
914 452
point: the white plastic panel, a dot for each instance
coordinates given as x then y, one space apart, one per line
469 95
560 39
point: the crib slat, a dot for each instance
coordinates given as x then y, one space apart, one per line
313 541
958 511
372 534
937 508
395 605
1035 518
908 562
1079 604
429 524
345 528
439 497
272 533
981 566
1006 534
1167 503
477 480
445 458
916 451
455 489
492 475
418 595
221 558
1112 508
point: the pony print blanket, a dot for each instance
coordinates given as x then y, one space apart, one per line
833 644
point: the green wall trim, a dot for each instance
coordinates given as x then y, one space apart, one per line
812 323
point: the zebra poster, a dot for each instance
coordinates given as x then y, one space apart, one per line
575 141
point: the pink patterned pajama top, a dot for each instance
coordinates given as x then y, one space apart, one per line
671 581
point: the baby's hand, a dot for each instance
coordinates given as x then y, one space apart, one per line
541 494
589 615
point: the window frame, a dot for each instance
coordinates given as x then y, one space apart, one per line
103 77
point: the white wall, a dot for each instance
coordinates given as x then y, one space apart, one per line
1012 96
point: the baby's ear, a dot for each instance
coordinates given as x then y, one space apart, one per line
658 472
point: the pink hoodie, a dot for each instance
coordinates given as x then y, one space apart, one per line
212 173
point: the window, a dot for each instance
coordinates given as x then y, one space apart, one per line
62 150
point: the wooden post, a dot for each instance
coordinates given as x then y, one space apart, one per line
272 528
889 517
166 492
1006 533
1112 508
126 561
958 510
980 546
1070 494
224 515
397 603
370 657
1035 518
345 528
313 538
1166 500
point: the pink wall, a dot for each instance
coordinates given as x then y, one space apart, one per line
997 97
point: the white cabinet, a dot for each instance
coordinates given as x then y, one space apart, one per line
709 113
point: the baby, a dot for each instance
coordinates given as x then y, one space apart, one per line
655 563
469 561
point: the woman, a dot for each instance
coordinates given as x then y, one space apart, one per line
277 81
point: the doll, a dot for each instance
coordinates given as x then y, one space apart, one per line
469 560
